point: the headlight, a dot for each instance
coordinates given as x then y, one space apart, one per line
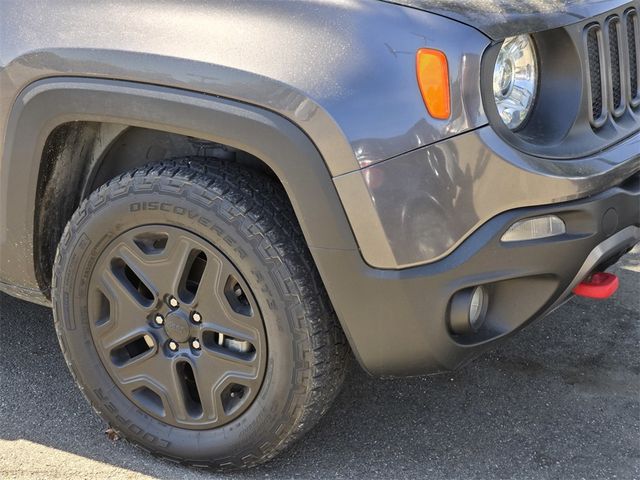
515 80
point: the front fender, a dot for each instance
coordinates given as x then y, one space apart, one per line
344 71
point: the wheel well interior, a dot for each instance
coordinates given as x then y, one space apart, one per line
80 156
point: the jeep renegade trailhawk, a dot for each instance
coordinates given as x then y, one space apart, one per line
222 200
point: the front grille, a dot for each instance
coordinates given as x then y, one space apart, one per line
612 65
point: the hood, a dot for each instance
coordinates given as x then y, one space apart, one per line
503 18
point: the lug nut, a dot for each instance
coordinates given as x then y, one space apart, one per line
195 343
173 303
196 317
173 346
159 319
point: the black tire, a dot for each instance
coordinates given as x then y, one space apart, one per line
246 216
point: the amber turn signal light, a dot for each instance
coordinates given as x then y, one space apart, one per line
433 80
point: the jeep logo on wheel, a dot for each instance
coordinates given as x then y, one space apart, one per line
177 327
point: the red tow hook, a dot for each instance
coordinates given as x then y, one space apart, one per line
600 285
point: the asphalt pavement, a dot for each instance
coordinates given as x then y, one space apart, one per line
560 400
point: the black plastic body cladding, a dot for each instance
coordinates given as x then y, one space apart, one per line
270 137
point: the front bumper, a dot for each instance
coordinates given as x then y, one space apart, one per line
419 207
397 321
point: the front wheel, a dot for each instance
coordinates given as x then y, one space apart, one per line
192 316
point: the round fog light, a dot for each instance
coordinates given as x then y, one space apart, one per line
476 308
468 310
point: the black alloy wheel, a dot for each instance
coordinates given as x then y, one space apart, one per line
183 338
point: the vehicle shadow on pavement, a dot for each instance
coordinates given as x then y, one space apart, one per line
560 400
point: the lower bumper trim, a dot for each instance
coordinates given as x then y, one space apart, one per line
626 237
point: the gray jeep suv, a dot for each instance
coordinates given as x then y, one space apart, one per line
222 200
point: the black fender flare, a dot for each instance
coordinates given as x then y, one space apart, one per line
51 102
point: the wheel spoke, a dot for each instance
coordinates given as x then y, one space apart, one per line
161 272
218 313
160 375
226 366
213 371
174 263
206 379
138 266
215 318
209 281
248 314
128 317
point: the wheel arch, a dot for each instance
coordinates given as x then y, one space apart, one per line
65 127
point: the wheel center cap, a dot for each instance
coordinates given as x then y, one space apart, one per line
176 326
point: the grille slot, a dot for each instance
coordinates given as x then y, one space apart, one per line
614 59
612 65
595 75
632 45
